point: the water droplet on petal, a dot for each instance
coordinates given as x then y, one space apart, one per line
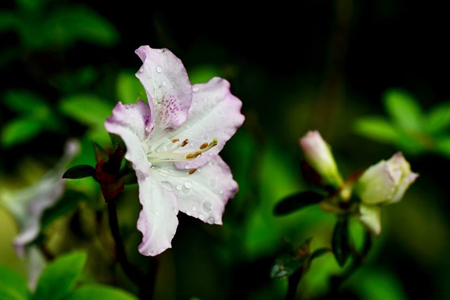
179 187
211 220
188 184
194 208
164 83
159 69
207 206
160 50
195 89
152 252
141 69
167 185
188 166
201 217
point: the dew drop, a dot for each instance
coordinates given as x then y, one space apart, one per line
179 187
167 185
164 83
141 69
159 69
188 166
194 208
152 252
195 89
160 50
201 217
205 137
207 206
211 220
188 184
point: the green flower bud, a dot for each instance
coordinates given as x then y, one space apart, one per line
318 155
383 183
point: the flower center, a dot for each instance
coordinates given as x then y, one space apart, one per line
173 155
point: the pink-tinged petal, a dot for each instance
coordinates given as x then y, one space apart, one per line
167 85
158 218
215 114
204 193
132 122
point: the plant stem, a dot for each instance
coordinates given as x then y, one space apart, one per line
293 282
145 282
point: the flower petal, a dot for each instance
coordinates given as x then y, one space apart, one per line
214 114
158 218
204 193
370 216
406 182
167 85
376 185
132 122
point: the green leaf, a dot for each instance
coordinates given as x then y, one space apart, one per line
404 109
25 102
340 242
297 201
57 278
12 285
80 171
204 73
73 23
19 130
319 252
285 265
442 145
129 89
67 203
86 109
96 292
438 119
376 128
8 20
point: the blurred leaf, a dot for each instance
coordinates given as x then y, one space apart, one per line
57 278
96 292
298 201
72 23
403 108
12 285
80 171
8 20
129 89
378 285
19 130
67 203
439 118
86 109
340 242
319 252
442 145
377 128
76 80
204 73
29 5
28 103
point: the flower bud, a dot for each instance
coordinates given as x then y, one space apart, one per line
318 155
385 182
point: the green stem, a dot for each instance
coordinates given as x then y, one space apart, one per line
145 282
293 282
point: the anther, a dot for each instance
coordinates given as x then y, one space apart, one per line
192 171
193 155
204 145
175 140
185 142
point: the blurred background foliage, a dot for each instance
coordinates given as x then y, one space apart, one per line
371 76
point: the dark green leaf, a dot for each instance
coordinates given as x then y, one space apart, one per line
443 146
58 278
97 292
80 171
74 23
376 128
340 242
8 20
67 203
319 252
296 202
285 265
12 286
404 109
19 130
